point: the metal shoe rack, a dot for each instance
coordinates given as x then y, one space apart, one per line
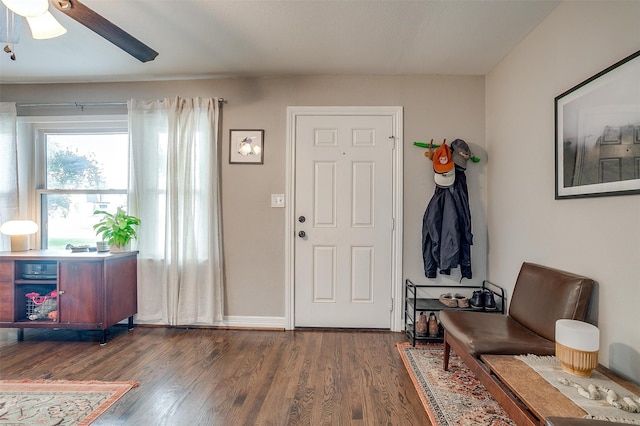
413 305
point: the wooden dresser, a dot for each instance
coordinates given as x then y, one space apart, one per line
94 290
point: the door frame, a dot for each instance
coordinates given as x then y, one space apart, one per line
396 113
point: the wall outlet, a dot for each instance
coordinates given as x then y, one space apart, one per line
277 200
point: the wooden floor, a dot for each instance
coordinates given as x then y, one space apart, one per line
229 377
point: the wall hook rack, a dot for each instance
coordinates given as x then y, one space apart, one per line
435 145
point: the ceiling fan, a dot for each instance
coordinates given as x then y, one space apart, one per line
90 19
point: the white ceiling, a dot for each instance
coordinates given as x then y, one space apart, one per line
220 38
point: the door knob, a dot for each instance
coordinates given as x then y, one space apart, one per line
302 234
301 219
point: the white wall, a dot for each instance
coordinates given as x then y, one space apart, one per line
596 237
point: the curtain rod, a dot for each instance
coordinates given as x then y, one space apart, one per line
70 104
84 104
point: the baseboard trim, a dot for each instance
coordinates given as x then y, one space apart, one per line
267 323
253 322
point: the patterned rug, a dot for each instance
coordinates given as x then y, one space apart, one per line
454 397
57 402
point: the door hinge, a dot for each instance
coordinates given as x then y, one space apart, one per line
393 223
391 306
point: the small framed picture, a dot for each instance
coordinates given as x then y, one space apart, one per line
246 146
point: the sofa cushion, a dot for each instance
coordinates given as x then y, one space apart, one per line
543 295
486 333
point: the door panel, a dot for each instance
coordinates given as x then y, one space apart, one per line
324 190
362 274
324 274
344 188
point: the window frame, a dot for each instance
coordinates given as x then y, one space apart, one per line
32 132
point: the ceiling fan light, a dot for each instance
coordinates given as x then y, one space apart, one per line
27 8
45 26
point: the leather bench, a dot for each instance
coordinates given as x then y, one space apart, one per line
541 295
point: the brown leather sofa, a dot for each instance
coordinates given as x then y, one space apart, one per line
541 296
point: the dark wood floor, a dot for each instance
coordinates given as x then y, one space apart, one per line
229 377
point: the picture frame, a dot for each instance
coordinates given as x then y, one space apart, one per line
246 146
597 134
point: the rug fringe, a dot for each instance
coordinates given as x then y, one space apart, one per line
110 392
416 384
537 360
614 419
132 383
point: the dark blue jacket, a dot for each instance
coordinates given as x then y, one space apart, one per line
446 229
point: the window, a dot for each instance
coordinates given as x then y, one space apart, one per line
81 167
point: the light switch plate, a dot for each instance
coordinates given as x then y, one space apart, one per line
277 200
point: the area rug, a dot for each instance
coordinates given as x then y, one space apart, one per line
57 402
454 397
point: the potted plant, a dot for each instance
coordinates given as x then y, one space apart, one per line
117 229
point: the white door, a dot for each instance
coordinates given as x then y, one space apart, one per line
344 220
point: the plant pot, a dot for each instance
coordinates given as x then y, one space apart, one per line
120 249
102 246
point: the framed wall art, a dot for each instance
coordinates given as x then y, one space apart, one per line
246 146
597 140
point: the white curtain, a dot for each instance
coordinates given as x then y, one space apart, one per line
9 205
175 193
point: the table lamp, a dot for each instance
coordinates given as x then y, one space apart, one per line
577 345
19 231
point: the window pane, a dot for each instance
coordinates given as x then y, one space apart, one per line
87 161
70 219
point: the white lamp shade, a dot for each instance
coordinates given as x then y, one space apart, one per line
19 230
578 335
19 227
27 8
45 26
577 346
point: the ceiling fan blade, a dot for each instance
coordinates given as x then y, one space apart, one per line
103 27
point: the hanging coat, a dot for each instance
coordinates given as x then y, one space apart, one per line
446 229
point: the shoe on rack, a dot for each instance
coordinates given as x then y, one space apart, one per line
463 302
489 301
448 300
477 300
433 325
421 325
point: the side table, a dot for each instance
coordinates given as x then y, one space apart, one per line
527 397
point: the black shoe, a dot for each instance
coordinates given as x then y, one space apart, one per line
489 301
477 300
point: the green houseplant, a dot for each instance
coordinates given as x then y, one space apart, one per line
117 229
